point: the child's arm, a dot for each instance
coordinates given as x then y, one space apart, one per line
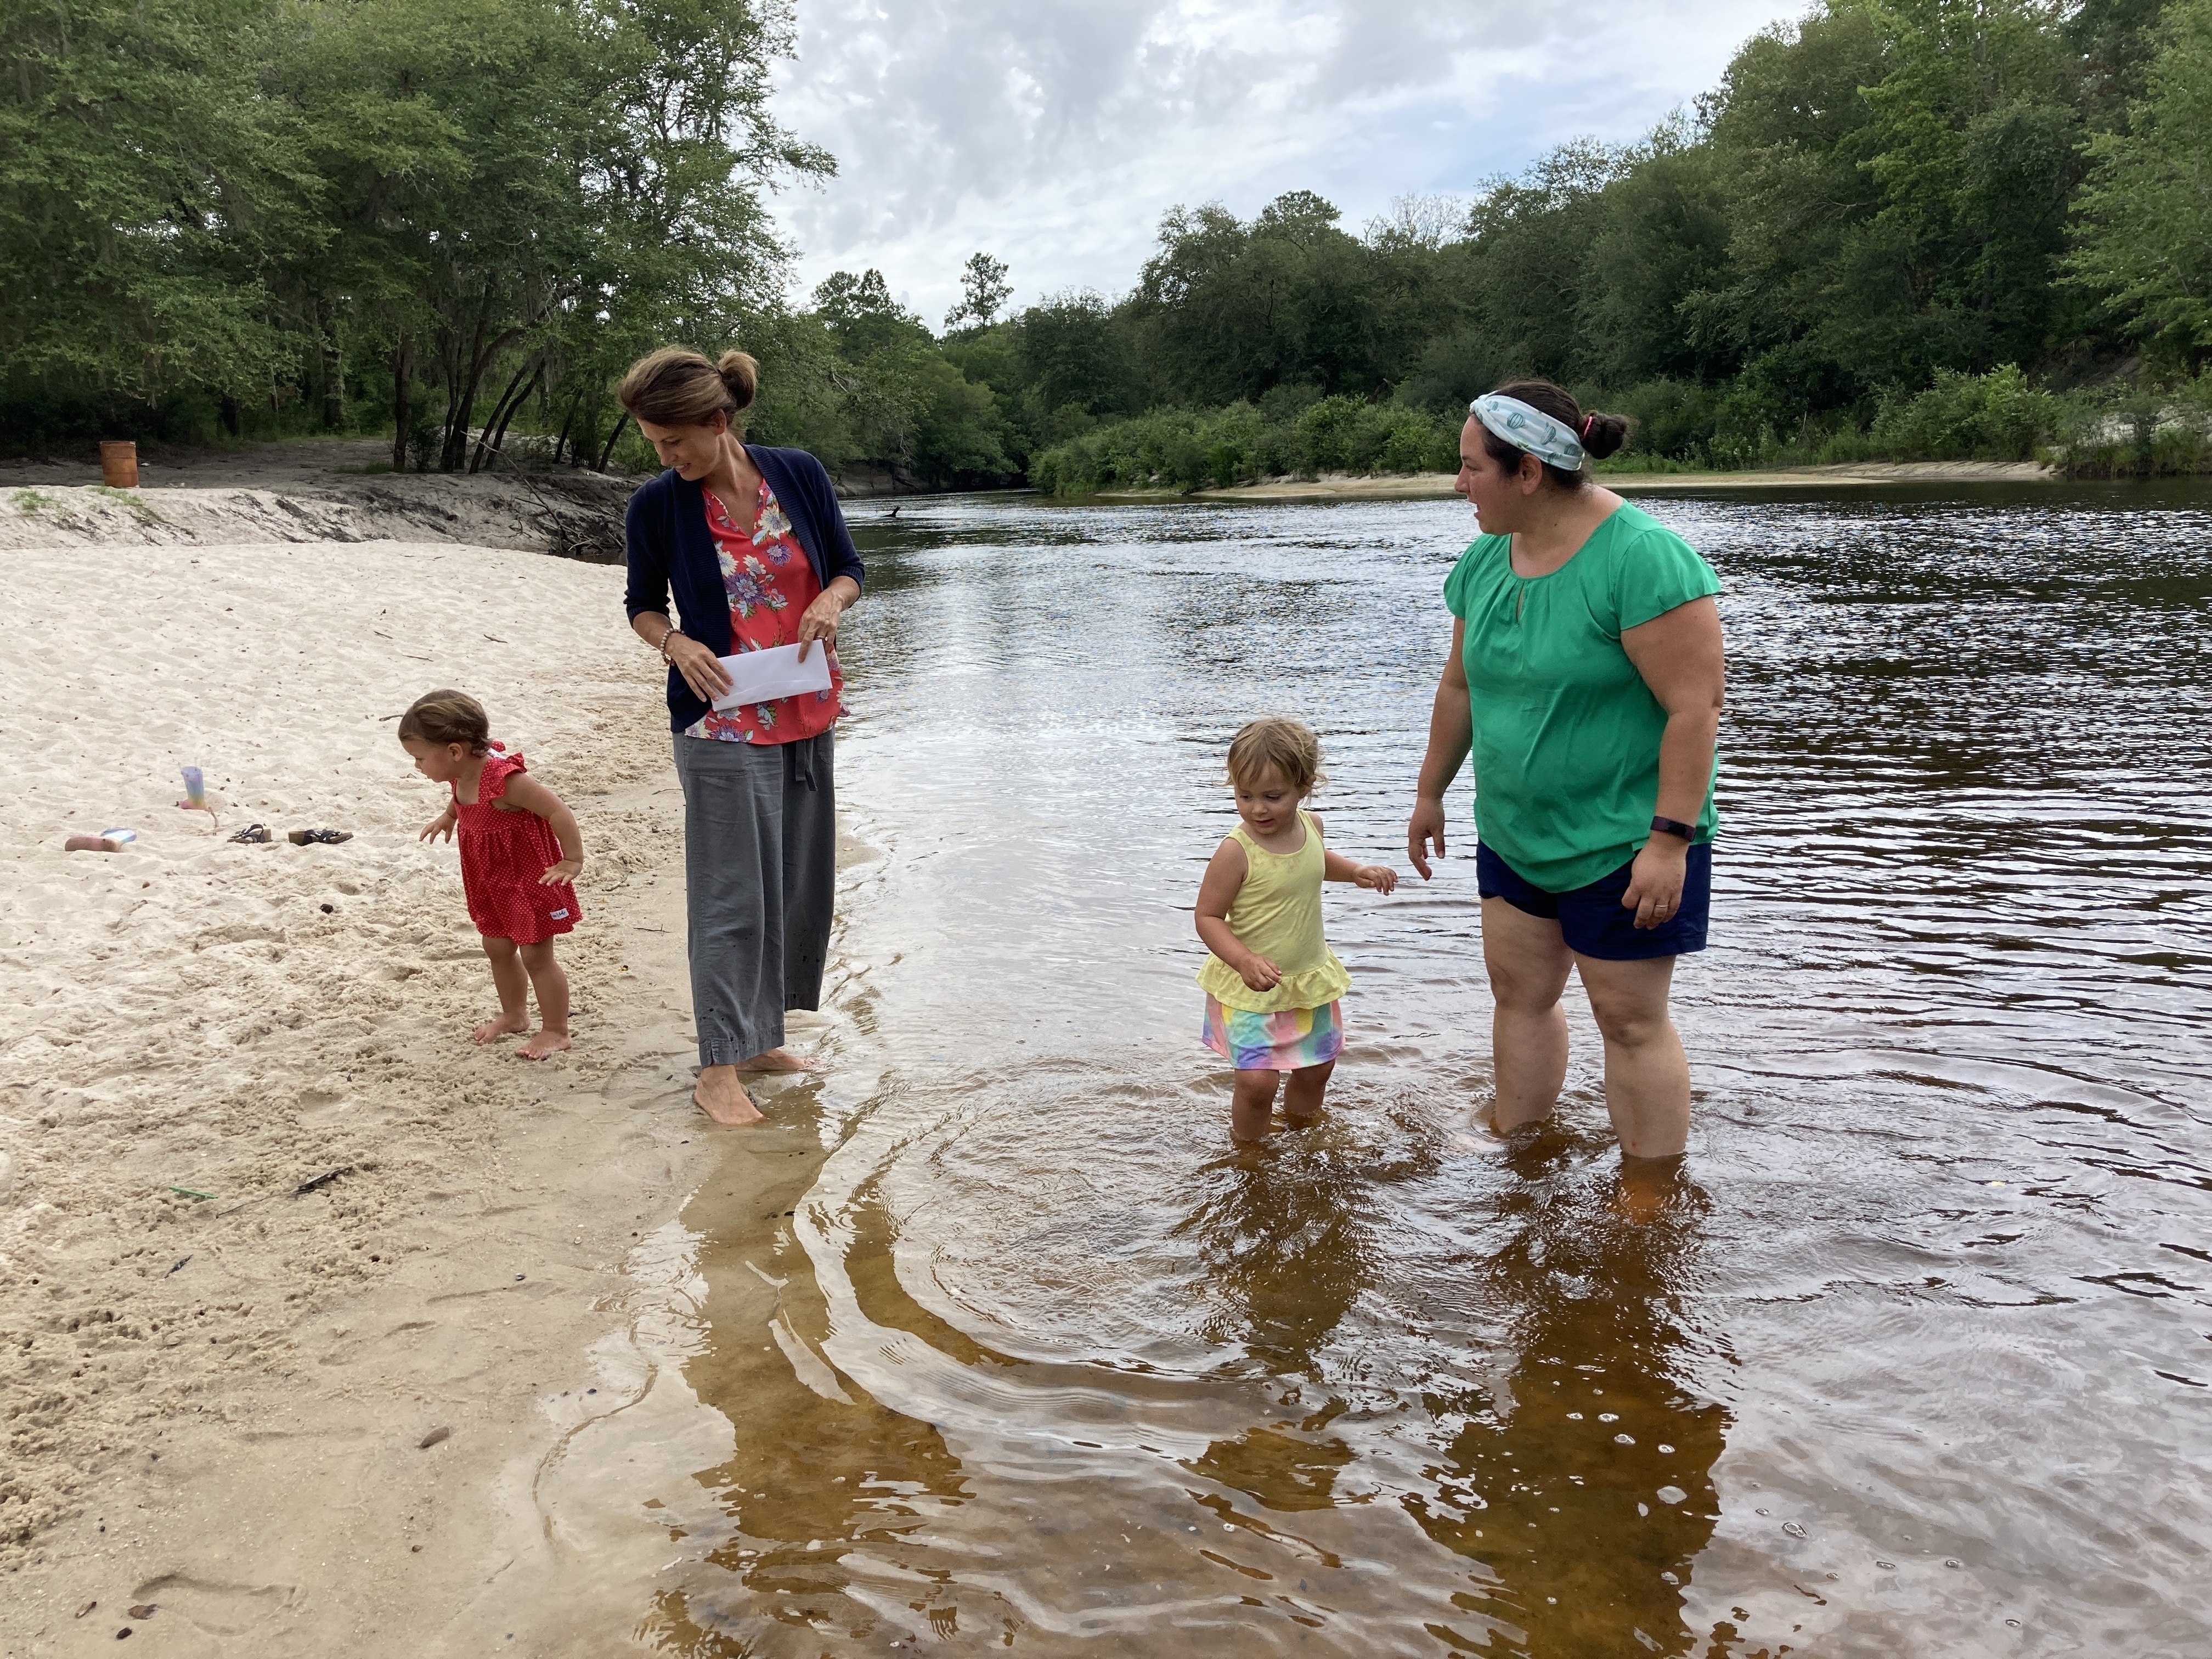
1380 878
1334 866
442 824
527 793
1224 877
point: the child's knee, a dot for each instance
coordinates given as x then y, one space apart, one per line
539 957
499 950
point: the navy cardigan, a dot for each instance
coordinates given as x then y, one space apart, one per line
669 545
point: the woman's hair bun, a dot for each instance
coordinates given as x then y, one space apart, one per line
741 375
1604 435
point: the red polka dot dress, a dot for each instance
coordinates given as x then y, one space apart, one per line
502 856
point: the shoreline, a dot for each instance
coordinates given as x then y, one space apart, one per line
218 1405
1423 486
305 491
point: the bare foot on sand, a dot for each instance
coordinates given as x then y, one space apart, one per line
506 1026
779 1060
722 1098
543 1044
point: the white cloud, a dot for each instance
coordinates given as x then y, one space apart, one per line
1054 133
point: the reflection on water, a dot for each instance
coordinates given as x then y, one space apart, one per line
1021 1353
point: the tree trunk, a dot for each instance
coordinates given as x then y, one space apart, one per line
621 420
230 415
502 411
566 421
402 398
464 402
499 438
333 368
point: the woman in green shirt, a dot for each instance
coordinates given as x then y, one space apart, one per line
1585 679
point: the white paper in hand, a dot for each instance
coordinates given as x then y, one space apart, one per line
764 676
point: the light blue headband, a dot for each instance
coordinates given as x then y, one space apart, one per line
1526 427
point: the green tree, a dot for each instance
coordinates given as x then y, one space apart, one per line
1530 261
150 190
984 291
1661 236
2145 244
1072 355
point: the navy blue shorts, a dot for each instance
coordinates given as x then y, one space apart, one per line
1593 922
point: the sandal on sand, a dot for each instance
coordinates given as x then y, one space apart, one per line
254 832
319 837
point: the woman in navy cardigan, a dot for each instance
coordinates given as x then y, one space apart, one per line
752 542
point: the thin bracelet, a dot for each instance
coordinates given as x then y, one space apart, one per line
665 639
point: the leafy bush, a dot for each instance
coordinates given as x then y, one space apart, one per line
1998 416
2121 430
1286 436
1669 419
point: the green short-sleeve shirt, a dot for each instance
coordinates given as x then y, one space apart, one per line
1567 733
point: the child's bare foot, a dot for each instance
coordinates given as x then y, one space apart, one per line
506 1026
722 1098
543 1044
779 1060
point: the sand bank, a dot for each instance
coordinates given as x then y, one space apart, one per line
1422 486
217 1404
303 491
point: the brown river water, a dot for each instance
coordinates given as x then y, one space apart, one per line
1916 1360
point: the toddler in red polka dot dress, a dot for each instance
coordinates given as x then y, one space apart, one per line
520 852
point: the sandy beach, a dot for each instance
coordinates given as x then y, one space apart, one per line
293 1420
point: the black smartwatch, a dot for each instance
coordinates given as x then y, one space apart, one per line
1675 827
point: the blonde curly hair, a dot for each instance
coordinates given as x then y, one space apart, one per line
1288 745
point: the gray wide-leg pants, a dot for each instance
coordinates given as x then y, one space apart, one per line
760 874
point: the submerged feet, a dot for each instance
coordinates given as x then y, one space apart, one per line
722 1098
777 1059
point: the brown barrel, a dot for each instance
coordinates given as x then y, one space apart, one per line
118 465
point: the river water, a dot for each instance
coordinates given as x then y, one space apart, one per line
1918 1359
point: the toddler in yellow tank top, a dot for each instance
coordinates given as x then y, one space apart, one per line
1271 981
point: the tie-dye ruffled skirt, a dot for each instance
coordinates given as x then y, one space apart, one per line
1287 1040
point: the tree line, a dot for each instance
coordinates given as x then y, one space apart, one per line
1896 227
258 216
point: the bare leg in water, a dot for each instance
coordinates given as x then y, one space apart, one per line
1646 1077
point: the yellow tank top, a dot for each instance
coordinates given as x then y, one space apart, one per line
1277 913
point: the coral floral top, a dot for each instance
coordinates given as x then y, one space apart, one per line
770 582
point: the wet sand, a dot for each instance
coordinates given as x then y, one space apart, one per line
217 1404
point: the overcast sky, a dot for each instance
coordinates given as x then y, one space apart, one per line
1054 133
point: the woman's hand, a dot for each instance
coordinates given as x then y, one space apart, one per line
819 620
1376 878
567 870
1655 880
1427 829
440 825
702 669
1260 973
